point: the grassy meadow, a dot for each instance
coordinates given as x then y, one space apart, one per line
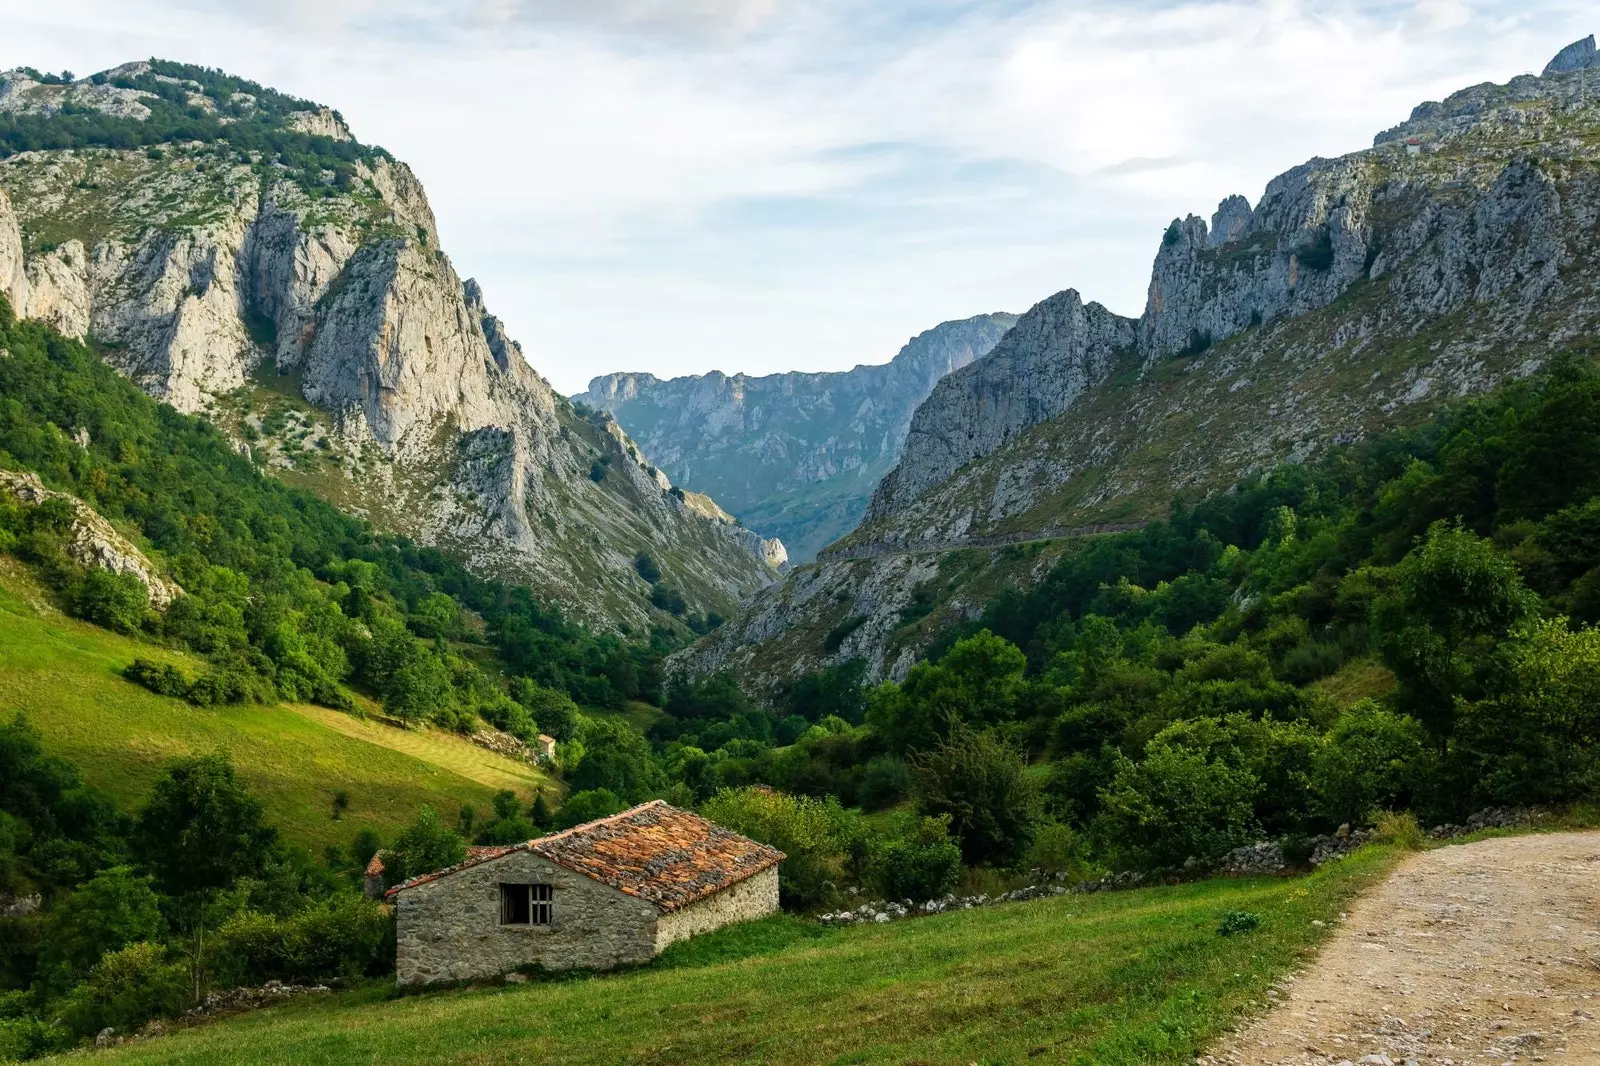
65 676
1114 978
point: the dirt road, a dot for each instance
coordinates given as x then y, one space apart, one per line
1483 953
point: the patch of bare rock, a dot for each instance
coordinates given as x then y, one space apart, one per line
1485 953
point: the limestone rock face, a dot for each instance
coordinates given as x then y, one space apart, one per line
94 542
13 268
227 288
1059 348
58 289
1579 55
795 455
1358 294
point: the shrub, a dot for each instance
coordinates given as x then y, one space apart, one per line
1368 760
817 835
340 938
1056 849
1176 805
668 599
923 866
422 847
164 679
1235 922
835 637
646 567
116 601
126 989
885 781
981 784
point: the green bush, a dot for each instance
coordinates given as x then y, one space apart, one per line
126 989
344 937
1175 805
586 806
885 781
818 835
116 601
1235 922
981 784
1371 758
835 637
164 679
922 866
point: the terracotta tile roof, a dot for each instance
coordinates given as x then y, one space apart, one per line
656 852
475 854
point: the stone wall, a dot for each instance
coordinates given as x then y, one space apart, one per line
449 929
754 897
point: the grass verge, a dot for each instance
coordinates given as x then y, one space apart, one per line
1116 978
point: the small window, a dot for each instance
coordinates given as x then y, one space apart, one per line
526 904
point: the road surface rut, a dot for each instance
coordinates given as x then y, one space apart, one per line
1483 953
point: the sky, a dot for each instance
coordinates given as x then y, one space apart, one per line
768 185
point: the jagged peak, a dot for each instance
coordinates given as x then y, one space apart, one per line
1579 55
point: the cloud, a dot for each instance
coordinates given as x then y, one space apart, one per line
763 184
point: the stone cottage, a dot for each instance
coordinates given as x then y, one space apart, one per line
613 891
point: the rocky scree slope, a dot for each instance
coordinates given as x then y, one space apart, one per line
313 313
794 455
1358 293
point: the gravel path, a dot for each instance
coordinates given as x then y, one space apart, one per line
1477 954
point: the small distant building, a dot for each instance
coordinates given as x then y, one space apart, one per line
603 894
1413 145
546 748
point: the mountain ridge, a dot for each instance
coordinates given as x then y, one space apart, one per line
289 283
794 454
1359 293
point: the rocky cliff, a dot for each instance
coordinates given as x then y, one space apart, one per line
1358 293
794 455
260 266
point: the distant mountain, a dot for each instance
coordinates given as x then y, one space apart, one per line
237 253
1360 293
795 456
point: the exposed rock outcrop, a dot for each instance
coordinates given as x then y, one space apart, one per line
795 455
93 541
1059 348
1359 293
226 285
1579 55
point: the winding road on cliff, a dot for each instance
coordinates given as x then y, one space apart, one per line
1482 953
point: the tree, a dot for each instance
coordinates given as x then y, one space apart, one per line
1455 596
116 601
647 567
201 830
980 783
1371 759
508 826
587 806
539 814
422 847
553 712
115 908
1175 805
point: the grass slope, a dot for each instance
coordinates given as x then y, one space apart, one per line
1131 977
65 675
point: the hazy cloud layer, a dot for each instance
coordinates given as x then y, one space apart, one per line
762 185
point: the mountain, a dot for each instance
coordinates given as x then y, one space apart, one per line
236 252
1358 293
793 455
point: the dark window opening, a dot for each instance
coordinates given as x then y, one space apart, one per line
526 904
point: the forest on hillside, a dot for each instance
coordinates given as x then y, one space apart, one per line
1405 625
